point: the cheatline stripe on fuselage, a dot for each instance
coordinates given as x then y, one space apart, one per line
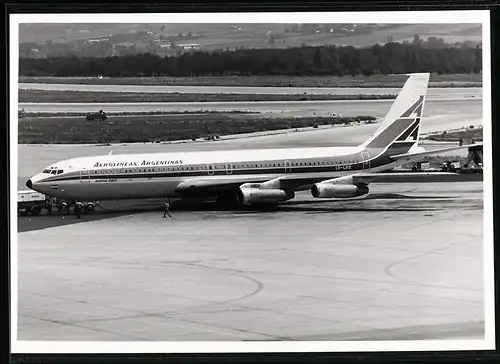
220 169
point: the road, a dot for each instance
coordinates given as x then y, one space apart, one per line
271 108
452 92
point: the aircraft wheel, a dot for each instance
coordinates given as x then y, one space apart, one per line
227 200
36 211
270 206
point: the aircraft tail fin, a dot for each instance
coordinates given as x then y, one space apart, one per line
401 125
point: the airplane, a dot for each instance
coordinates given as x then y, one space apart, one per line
253 177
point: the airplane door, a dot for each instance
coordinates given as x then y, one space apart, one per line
288 167
84 175
229 168
365 156
210 169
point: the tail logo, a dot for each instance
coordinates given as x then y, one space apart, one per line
411 134
416 108
414 112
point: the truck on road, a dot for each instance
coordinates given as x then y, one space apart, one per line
101 115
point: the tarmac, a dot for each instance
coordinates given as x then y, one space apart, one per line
405 263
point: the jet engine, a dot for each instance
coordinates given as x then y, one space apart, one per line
89 207
254 195
331 190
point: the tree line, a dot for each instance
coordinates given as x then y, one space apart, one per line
392 57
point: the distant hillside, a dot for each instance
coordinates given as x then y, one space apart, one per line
100 40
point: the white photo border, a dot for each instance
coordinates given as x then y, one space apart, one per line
399 17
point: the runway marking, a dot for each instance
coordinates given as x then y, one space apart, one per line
80 323
63 323
398 333
240 332
389 268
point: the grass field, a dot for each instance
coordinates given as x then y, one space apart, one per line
89 97
436 80
156 128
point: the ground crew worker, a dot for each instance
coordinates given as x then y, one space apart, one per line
167 207
48 204
78 209
63 208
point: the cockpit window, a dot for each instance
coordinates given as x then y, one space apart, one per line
60 171
54 171
46 171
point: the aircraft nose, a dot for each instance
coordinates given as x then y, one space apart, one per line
29 184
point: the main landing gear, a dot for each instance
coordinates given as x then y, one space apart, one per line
64 207
227 200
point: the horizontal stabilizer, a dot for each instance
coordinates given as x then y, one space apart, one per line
415 157
366 178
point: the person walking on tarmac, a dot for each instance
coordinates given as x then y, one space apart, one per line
167 207
63 208
48 204
78 209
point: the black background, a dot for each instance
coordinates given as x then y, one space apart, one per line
40 7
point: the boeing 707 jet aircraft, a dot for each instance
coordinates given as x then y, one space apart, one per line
251 176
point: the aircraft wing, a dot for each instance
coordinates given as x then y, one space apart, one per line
215 184
416 157
204 185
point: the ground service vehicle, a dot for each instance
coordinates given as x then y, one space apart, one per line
95 116
30 202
